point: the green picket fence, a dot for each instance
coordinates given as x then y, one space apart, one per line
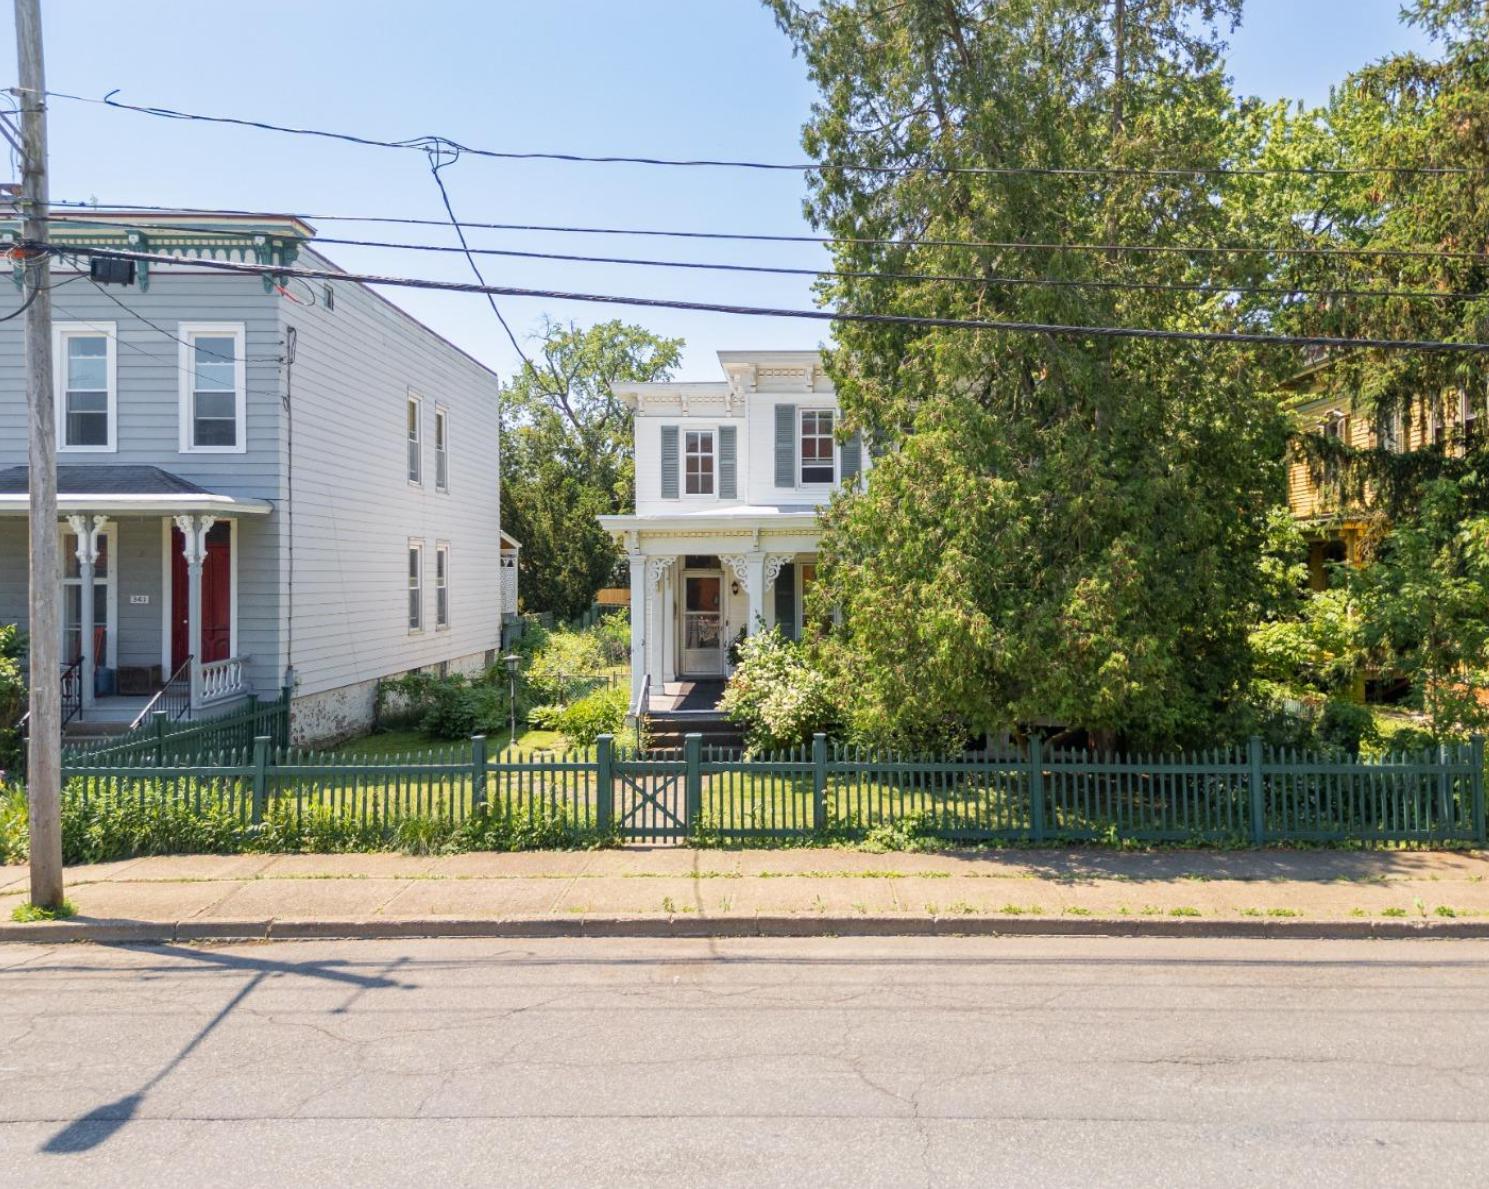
1253 795
161 740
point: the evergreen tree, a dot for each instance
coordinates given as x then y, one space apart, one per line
1056 529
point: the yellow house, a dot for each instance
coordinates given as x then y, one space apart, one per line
1336 531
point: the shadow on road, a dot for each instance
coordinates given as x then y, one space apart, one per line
99 1125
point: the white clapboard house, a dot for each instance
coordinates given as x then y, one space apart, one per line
263 482
729 479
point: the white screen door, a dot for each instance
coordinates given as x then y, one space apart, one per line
702 624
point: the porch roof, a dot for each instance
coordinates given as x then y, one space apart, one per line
124 489
704 518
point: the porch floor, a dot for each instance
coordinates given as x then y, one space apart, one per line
687 695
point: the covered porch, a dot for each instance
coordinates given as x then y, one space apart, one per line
699 585
148 581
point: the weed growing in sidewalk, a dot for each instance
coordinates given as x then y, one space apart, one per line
28 913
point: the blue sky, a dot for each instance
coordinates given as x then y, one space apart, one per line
661 77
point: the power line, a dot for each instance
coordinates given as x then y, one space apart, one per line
438 162
425 143
849 274
159 329
909 320
1422 253
167 360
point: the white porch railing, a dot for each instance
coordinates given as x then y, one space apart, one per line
221 680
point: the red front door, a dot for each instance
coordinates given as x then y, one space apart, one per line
217 622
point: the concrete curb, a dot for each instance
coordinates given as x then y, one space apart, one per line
160 932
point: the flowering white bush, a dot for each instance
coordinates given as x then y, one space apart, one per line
776 694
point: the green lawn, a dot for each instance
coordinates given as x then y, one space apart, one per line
384 744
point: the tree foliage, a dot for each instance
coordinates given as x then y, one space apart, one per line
567 456
1422 599
1059 529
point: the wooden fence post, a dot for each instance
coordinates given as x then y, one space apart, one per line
158 720
1254 787
1036 788
605 783
819 781
477 774
692 754
260 777
1476 758
1444 790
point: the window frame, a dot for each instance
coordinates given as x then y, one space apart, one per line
442 449
413 577
413 444
61 333
1390 433
816 411
712 434
442 586
187 333
1469 427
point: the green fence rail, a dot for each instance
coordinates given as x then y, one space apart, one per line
160 740
1253 795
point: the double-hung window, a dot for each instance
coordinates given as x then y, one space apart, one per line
441 450
816 447
698 462
87 386
416 586
414 434
1471 420
441 586
213 395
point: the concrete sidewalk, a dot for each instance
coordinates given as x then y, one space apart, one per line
677 892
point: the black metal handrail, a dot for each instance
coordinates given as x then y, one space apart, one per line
72 691
173 698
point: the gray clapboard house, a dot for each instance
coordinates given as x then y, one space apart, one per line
261 483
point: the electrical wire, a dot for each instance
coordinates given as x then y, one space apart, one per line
438 161
1416 253
36 292
906 320
916 278
159 329
425 143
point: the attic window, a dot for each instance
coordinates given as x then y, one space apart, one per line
328 296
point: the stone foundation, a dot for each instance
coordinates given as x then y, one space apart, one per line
334 715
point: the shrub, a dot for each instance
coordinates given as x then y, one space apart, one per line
14 836
586 719
1407 741
565 655
776 694
12 694
1347 726
614 635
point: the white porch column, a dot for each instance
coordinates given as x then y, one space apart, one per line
638 623
755 587
194 531
85 529
659 582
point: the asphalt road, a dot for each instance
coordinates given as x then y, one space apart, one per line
805 1062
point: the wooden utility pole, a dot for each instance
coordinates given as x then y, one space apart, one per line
44 757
